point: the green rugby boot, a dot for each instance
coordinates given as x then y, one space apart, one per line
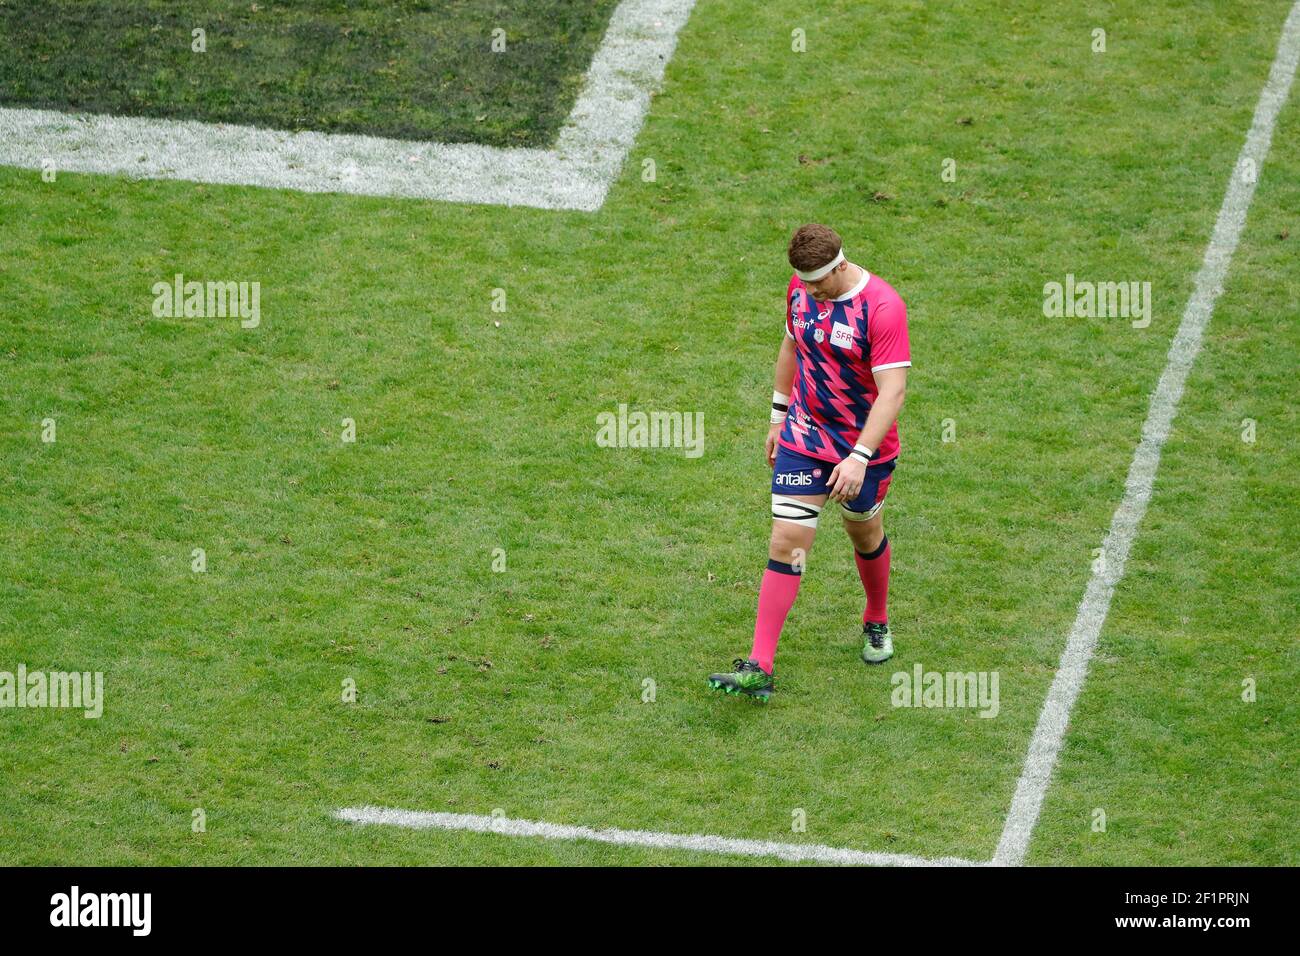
746 677
878 643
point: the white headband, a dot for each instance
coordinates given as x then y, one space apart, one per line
816 274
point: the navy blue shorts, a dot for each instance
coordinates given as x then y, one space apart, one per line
797 474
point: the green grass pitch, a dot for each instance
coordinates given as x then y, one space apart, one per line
521 689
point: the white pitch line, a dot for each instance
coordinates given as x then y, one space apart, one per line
794 852
576 174
1052 722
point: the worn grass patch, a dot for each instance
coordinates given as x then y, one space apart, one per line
411 69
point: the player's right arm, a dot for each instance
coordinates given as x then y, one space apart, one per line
783 381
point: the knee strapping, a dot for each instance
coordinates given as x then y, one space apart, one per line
786 508
850 515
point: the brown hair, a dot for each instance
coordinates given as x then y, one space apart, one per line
812 246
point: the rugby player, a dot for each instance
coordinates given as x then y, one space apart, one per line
840 378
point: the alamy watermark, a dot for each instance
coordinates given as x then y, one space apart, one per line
77 691
922 688
130 910
1098 300
626 429
208 300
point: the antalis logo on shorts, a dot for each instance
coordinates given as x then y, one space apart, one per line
798 478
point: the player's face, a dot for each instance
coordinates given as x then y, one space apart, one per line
828 286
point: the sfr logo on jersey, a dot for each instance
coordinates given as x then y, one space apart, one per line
800 478
842 335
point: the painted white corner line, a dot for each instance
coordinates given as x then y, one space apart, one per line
575 174
1050 732
795 852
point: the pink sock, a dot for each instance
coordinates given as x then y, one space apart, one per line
775 598
874 570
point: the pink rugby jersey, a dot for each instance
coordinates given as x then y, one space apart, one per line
841 344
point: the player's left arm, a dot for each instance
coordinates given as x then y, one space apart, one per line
847 478
891 384
891 355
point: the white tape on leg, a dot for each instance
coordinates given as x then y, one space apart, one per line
786 508
851 515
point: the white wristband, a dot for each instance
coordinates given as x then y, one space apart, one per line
863 452
780 406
